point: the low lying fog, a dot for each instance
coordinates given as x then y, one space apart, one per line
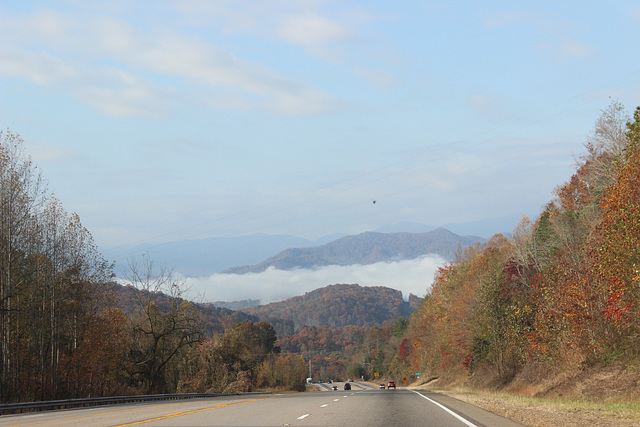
409 276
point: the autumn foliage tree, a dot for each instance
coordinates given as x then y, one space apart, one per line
618 258
159 330
54 304
562 290
67 330
282 372
464 319
580 292
243 357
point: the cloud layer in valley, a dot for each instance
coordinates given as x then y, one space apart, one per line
409 276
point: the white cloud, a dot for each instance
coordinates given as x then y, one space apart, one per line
575 49
314 32
481 104
109 90
40 68
311 30
378 78
44 26
561 50
319 27
47 153
562 43
409 276
125 70
504 19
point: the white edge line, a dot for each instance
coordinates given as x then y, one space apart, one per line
467 422
303 416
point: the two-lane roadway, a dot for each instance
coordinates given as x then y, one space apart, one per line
362 406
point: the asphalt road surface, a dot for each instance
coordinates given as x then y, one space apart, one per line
364 405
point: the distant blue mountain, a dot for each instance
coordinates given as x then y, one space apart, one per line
365 248
204 257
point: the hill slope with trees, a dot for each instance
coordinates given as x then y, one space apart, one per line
541 312
67 331
337 305
558 299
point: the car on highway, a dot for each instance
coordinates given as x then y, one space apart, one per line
381 386
391 384
335 387
347 386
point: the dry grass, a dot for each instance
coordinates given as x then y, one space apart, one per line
552 395
534 411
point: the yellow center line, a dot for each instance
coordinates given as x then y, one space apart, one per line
85 416
137 409
178 414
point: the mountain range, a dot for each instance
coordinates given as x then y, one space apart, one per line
207 256
203 257
365 248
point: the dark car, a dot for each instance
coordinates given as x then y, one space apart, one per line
335 387
347 386
392 384
381 386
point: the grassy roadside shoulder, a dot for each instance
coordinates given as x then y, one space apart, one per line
534 411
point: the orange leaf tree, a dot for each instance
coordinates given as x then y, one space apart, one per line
619 255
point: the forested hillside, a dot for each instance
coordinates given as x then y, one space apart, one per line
336 352
215 319
337 305
562 294
366 248
67 331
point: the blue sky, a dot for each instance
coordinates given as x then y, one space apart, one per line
170 120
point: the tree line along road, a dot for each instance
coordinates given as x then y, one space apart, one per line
361 406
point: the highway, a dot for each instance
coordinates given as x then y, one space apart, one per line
364 405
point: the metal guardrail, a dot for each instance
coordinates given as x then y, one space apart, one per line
20 407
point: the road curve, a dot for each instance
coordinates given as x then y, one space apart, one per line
362 406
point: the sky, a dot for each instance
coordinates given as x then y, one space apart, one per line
161 121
